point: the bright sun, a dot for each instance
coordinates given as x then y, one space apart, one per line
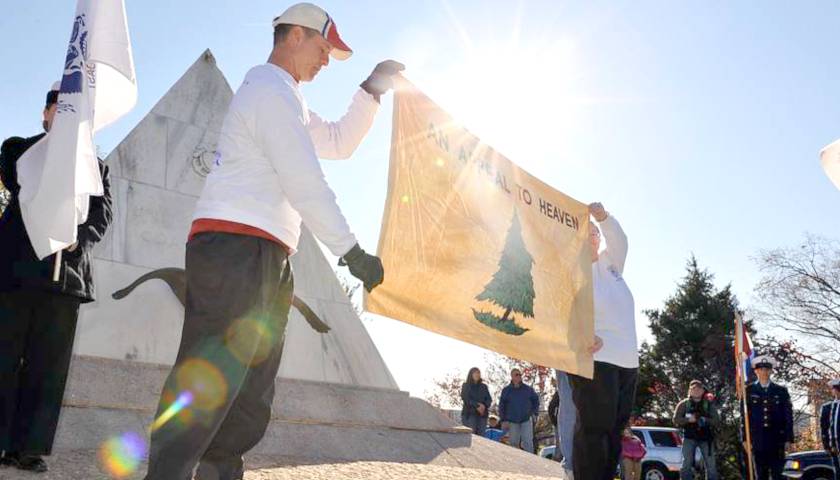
515 93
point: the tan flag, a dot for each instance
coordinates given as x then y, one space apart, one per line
477 249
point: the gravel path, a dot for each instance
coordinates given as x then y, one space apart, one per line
381 471
78 466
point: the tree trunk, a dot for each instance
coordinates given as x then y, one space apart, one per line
505 316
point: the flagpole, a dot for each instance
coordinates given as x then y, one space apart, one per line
742 392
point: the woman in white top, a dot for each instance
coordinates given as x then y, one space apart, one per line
604 403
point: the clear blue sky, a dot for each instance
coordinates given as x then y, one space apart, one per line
697 124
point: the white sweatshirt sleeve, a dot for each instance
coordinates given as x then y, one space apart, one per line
284 140
338 140
616 240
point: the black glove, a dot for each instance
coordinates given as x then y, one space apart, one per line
381 79
363 266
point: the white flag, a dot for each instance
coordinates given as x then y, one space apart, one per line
58 174
830 159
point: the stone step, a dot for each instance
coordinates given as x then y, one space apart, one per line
135 386
313 423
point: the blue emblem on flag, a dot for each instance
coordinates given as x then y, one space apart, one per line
77 54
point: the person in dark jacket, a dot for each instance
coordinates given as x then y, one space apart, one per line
830 427
477 400
517 405
38 315
771 421
697 417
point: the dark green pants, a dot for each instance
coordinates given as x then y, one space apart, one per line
239 291
36 343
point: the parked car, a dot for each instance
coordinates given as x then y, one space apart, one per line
813 465
664 452
547 452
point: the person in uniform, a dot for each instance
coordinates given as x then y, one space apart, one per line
830 427
216 402
771 420
38 315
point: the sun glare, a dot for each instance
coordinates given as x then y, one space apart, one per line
516 92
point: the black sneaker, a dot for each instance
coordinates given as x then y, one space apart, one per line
9 460
31 463
232 469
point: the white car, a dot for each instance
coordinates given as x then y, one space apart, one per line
664 452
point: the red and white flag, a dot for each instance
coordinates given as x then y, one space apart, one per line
744 354
60 173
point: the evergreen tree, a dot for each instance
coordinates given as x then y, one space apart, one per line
512 286
693 335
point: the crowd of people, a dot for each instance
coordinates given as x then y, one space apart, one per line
239 244
768 406
591 416
518 404
592 413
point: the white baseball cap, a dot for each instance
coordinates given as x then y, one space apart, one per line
834 383
764 361
314 17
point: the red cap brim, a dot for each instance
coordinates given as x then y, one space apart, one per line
340 49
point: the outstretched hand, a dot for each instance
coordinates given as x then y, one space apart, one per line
597 345
597 210
364 266
382 78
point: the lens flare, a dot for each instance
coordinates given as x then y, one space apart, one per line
405 199
251 339
120 456
440 162
183 401
204 381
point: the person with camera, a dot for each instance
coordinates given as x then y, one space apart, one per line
697 417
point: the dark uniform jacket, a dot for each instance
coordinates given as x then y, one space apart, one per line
19 266
771 417
830 425
472 394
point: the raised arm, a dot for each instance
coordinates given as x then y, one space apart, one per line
616 250
338 140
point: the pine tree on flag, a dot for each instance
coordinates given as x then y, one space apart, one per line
512 286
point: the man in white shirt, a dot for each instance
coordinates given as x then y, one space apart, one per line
216 403
605 402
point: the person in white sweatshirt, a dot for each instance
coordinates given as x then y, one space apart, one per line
266 180
604 403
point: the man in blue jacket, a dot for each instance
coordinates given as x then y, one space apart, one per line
517 405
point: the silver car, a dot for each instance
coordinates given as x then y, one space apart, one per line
664 452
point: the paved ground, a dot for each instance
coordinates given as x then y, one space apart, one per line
382 471
78 466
